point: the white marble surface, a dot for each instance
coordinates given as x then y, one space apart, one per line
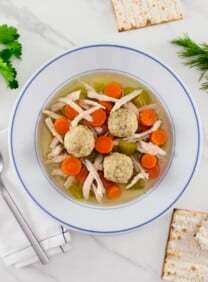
49 27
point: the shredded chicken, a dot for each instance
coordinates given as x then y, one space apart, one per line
98 162
149 106
52 114
99 130
150 148
98 193
145 133
139 168
55 152
57 106
94 172
77 108
115 142
132 108
53 143
83 114
126 99
91 93
68 182
87 186
57 159
91 103
101 97
92 168
50 126
58 171
135 179
74 96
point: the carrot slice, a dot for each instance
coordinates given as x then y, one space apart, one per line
148 161
70 112
113 89
98 117
147 117
113 192
71 166
108 106
104 144
82 175
61 125
158 137
154 172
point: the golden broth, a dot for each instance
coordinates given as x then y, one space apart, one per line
98 80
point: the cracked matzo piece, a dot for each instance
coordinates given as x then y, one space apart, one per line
184 260
132 14
202 236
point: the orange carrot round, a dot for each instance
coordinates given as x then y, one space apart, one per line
158 137
113 192
61 125
98 117
108 106
104 144
154 172
71 166
82 175
70 112
148 161
147 117
113 89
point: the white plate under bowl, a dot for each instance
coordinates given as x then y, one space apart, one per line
150 71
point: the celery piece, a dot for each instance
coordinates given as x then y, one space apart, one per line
128 90
142 99
83 94
99 86
127 148
76 190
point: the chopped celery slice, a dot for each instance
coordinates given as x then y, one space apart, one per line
83 94
142 99
128 90
99 86
76 190
127 147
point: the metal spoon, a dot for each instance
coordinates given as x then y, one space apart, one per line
21 220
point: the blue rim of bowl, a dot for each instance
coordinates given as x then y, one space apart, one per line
186 92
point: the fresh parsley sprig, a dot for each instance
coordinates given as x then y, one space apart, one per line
9 47
196 56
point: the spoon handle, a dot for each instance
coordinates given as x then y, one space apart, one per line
24 225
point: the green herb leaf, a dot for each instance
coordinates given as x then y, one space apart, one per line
9 73
11 48
5 55
8 34
196 56
15 49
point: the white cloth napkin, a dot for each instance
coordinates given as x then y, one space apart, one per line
15 248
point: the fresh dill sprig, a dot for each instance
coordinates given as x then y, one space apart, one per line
196 56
